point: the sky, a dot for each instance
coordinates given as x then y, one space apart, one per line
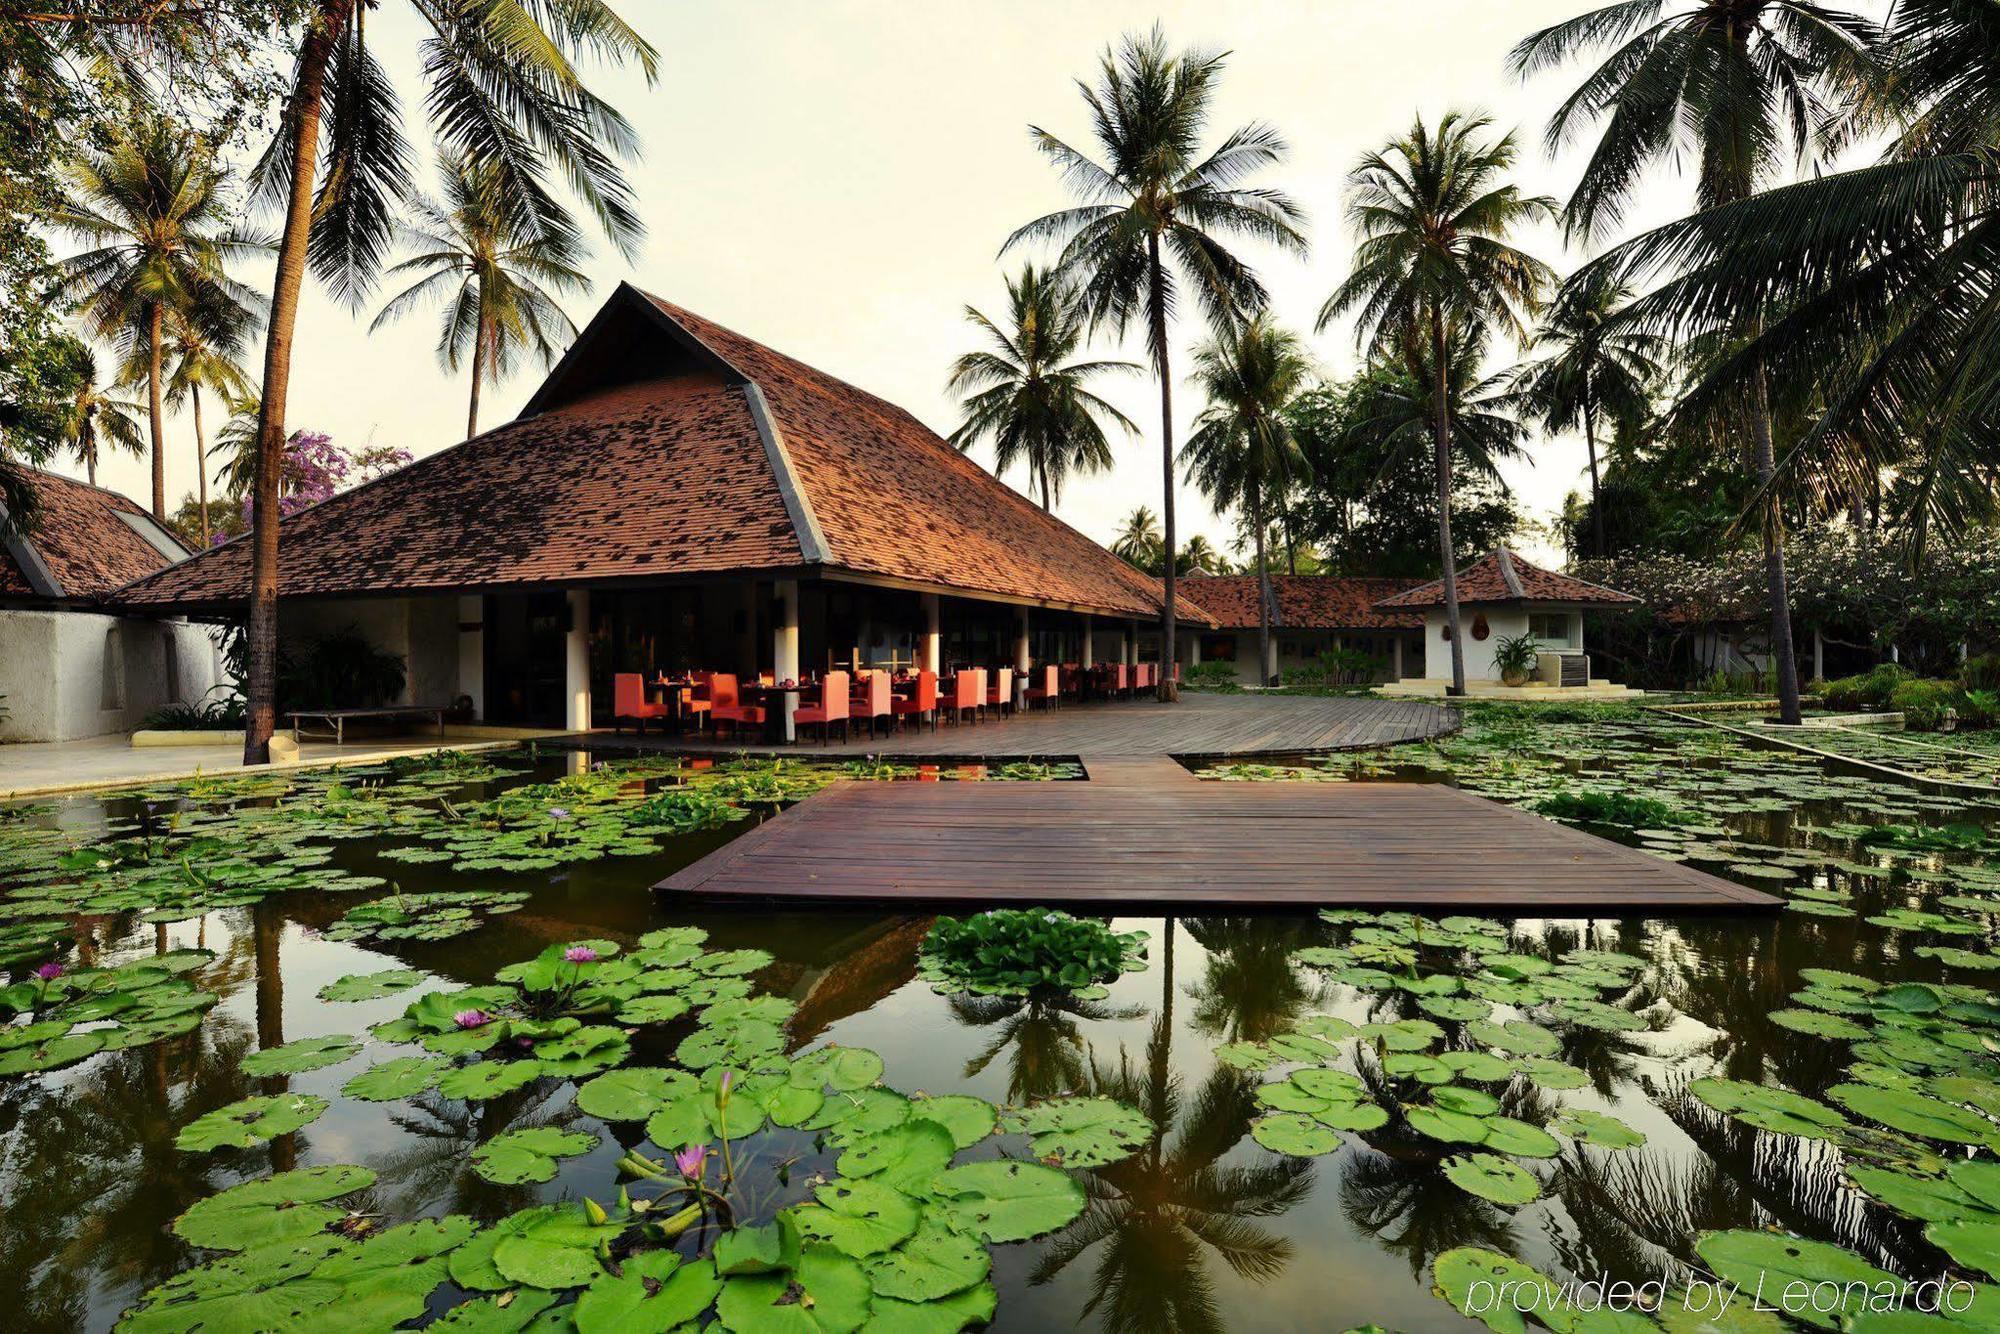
836 178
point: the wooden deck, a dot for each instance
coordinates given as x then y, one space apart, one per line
1200 725
1137 836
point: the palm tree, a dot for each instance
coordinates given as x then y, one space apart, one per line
1243 451
1199 554
491 267
1393 413
1594 368
503 93
1154 217
1434 216
1732 84
1027 396
204 343
1138 542
96 417
152 207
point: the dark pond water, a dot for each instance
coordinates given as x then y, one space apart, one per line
1203 1228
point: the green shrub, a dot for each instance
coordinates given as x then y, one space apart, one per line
1980 709
1336 667
206 715
1619 808
1868 690
1212 676
1981 672
1013 951
1516 655
339 670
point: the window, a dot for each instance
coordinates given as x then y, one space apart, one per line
1551 627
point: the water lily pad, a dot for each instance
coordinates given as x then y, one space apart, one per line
1766 1108
249 1122
1250 1056
827 1291
298 1057
1491 1177
1084 1132
634 1093
1517 1036
1295 1134
653 1290
844 1068
1519 1139
271 1209
371 986
935 1262
1469 1277
488 1079
968 1119
403 1077
1749 1258
1598 1128
1006 1200
1451 1127
857 1218
904 1157
529 1154
1818 1025
1914 1114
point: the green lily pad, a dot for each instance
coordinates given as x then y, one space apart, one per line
1085 1132
1470 1277
1914 1114
1818 1025
843 1068
371 986
653 1290
1766 1108
1451 1127
1491 1177
403 1077
298 1057
1605 1131
968 1119
271 1209
857 1218
1517 1036
634 1092
827 1291
519 1156
1772 1259
488 1079
935 1262
1295 1134
1006 1200
1519 1139
249 1122
904 1157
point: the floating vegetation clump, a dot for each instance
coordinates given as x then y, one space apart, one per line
1017 951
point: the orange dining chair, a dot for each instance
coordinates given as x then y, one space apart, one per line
833 707
695 703
924 700
965 694
1048 693
872 699
1142 677
978 694
727 706
628 700
1120 680
1001 700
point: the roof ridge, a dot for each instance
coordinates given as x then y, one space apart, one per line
1505 559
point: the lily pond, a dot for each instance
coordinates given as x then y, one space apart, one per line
418 1046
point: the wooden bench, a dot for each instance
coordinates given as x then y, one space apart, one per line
337 719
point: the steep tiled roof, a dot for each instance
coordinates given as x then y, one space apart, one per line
81 544
664 444
1305 601
1502 576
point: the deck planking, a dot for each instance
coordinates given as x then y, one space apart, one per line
1130 839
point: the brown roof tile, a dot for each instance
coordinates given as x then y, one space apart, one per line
665 472
1305 601
1502 576
80 540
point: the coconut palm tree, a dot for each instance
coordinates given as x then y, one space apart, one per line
1393 413
1153 217
492 270
504 93
1138 542
1434 213
152 209
1242 451
1737 86
1593 369
1198 553
96 417
204 343
1027 396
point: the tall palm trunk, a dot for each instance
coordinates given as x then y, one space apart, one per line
1168 650
1441 437
1784 657
90 451
156 316
1590 446
200 463
302 117
1264 672
478 368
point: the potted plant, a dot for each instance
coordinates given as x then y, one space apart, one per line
1516 658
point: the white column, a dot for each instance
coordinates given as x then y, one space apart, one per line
472 651
1193 642
785 643
1271 663
1128 647
1396 658
576 661
1089 658
1819 655
933 634
1021 663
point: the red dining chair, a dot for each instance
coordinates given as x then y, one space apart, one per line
872 699
1048 694
924 700
1142 677
833 707
628 700
1001 699
964 696
978 694
726 706
1120 680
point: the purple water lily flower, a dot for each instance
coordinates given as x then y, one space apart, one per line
559 812
579 954
692 1161
472 1019
49 972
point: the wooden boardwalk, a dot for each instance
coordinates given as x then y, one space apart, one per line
1138 836
1200 725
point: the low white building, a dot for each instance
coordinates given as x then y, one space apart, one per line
1502 597
69 668
1312 615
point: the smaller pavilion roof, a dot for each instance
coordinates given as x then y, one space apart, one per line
1502 576
82 542
1305 601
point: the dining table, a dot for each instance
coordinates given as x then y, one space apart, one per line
674 694
779 703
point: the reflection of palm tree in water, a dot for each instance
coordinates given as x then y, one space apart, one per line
1154 1217
1410 1207
1041 1036
267 929
1249 988
437 1170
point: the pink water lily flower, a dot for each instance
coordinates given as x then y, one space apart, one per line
49 972
472 1019
580 954
692 1161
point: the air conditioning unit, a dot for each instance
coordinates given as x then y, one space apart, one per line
1562 669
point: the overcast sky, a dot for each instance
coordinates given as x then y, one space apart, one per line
835 179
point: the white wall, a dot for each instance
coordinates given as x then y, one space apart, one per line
72 674
1502 622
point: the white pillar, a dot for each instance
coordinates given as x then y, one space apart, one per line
1021 663
1128 648
1271 663
1396 658
1089 643
1194 649
472 651
785 643
1819 655
933 635
576 661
